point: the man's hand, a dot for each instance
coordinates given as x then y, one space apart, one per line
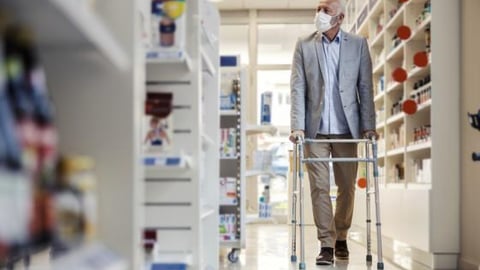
296 134
369 134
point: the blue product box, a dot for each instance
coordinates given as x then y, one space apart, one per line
228 102
168 266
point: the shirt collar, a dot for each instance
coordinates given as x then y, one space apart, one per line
336 39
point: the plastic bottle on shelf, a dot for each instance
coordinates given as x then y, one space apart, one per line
266 194
427 39
156 17
261 207
264 203
266 100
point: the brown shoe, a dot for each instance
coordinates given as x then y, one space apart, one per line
341 250
325 257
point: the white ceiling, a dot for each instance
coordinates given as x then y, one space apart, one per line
265 4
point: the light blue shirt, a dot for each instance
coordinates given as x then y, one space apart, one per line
333 117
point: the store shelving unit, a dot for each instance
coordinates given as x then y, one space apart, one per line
182 198
378 21
91 69
234 167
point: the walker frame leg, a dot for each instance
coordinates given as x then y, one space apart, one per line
369 218
380 264
293 256
302 265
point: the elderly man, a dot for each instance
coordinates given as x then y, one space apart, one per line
331 91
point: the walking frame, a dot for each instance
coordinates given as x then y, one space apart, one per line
299 160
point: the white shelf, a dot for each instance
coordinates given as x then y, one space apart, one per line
380 125
376 9
228 112
157 163
68 24
396 152
258 173
258 129
379 67
425 105
228 204
174 257
394 86
419 32
207 63
168 56
397 52
419 147
397 18
379 96
229 158
378 40
363 28
397 117
207 211
419 71
422 88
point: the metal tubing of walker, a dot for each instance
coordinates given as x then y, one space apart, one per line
345 159
293 257
377 206
369 219
336 140
302 222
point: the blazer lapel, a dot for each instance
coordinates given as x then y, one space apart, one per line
319 52
344 48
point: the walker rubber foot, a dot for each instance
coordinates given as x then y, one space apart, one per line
369 258
293 258
301 266
380 265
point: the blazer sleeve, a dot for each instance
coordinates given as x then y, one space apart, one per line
365 90
298 86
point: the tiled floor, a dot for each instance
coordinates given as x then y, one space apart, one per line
268 248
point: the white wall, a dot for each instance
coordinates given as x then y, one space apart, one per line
470 102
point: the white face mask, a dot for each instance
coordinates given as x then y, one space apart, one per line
323 21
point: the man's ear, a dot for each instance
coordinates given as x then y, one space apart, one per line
340 18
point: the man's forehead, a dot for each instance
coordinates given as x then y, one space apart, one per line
327 2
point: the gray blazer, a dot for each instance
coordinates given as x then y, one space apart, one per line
355 84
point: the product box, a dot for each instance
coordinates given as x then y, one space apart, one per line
228 142
228 191
229 90
228 102
266 108
227 226
158 121
168 266
167 28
